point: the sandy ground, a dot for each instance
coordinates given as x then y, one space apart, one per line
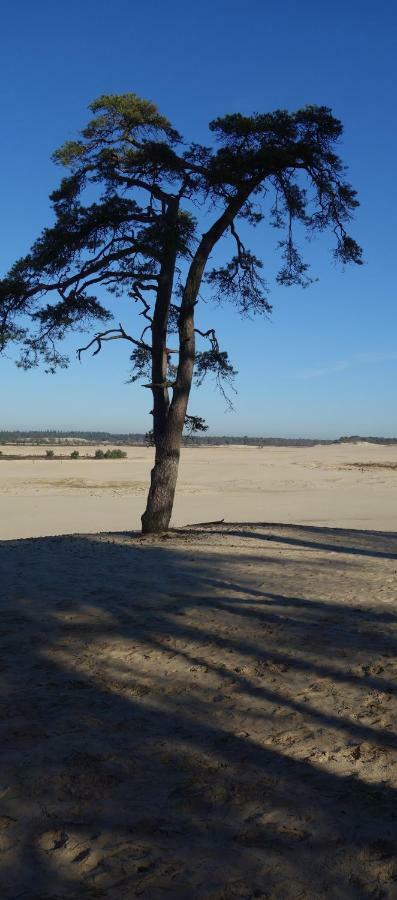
318 485
212 713
207 715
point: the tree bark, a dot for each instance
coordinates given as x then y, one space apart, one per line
164 474
159 325
165 471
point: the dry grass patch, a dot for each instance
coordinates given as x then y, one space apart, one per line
83 484
370 465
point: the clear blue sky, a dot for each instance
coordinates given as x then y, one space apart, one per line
326 363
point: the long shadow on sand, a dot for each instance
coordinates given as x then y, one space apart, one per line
355 542
178 723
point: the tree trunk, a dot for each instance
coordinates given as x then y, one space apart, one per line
167 441
162 489
164 474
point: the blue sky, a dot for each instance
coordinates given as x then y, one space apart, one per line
326 362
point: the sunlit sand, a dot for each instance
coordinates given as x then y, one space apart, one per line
320 484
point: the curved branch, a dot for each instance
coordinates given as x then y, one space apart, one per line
112 334
87 269
240 246
211 335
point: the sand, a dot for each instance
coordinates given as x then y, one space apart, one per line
317 485
209 714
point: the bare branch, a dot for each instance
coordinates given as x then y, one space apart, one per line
153 189
112 334
161 384
241 251
211 335
146 306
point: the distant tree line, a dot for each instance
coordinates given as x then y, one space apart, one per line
99 437
68 437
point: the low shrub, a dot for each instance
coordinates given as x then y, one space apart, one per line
74 454
115 454
110 454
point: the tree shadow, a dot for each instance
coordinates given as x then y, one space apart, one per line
356 542
176 722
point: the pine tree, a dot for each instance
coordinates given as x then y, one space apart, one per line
125 222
